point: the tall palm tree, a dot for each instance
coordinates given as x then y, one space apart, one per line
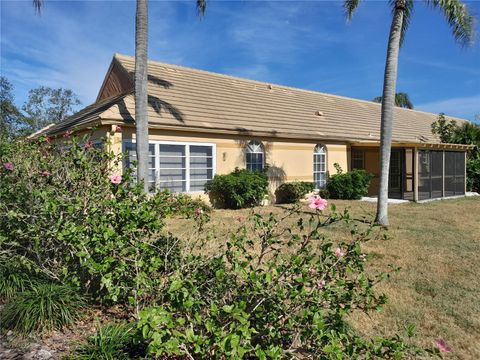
141 86
401 100
141 83
462 24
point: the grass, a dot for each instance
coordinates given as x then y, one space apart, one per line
44 308
437 246
111 342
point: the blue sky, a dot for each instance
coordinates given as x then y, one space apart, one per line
302 44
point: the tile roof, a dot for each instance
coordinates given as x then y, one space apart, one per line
185 98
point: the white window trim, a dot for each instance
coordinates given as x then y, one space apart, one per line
258 152
187 145
326 163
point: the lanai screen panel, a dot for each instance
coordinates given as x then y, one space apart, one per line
424 185
437 173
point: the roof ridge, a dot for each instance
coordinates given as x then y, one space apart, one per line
232 77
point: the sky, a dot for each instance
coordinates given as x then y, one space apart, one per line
304 44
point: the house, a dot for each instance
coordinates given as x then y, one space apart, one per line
202 123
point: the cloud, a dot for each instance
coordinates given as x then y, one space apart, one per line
462 107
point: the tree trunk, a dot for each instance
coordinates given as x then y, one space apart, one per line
141 91
388 106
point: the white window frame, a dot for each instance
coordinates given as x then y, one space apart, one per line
257 152
187 145
324 153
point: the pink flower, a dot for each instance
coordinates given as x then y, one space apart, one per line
88 145
321 284
115 179
339 253
442 346
8 166
67 134
118 129
46 173
316 202
198 211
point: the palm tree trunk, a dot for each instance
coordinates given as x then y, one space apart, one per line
141 91
388 106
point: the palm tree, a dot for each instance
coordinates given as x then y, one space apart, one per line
141 83
141 86
401 100
462 24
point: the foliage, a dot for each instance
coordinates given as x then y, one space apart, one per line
183 205
11 120
465 133
239 189
14 278
46 307
272 293
401 100
324 194
64 215
292 192
351 185
46 105
112 341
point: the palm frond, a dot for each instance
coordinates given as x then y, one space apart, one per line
38 4
350 6
378 99
201 7
458 17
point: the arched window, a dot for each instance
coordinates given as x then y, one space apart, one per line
320 166
254 156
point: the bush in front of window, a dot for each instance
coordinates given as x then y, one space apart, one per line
291 192
351 185
237 190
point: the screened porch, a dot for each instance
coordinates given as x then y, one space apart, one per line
416 173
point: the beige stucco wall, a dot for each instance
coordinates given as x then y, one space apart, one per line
288 160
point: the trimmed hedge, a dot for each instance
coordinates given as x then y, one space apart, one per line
292 192
239 189
350 185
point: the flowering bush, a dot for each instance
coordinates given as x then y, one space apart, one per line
275 291
67 213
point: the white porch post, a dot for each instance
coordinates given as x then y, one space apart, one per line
415 174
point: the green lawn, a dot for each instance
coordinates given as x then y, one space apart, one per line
437 246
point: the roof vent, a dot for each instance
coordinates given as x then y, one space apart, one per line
269 87
319 113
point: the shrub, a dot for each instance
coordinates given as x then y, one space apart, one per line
239 189
271 294
62 212
111 342
292 192
46 307
350 185
324 194
182 204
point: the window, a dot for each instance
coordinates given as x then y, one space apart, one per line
358 161
254 156
320 166
178 167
